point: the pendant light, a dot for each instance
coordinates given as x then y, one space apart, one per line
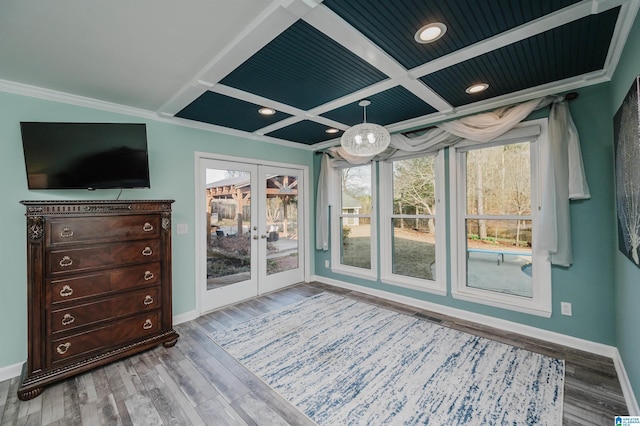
366 139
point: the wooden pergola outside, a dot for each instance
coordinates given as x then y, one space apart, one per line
239 189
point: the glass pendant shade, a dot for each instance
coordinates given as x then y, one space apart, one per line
366 139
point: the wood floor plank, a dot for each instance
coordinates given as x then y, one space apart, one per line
89 413
71 404
257 412
29 409
86 389
5 388
105 401
11 406
218 412
142 410
170 404
179 409
52 410
226 383
197 382
189 381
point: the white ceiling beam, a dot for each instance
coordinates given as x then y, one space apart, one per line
255 99
627 17
279 125
424 92
354 97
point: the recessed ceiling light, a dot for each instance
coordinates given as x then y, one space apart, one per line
332 130
267 111
430 32
477 88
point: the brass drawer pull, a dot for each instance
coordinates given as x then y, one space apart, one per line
147 227
147 251
67 319
147 324
66 233
148 275
66 261
66 291
148 300
63 348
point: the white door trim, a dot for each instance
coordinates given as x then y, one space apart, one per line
305 249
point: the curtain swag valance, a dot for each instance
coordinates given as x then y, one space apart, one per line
563 171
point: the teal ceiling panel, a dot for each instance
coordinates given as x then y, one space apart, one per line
573 49
303 68
221 110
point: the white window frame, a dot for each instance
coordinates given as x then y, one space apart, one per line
336 229
540 303
439 285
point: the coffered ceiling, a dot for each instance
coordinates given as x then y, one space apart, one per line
214 64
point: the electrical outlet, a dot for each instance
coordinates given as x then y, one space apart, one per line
565 308
182 228
326 263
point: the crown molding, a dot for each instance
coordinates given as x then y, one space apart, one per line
67 98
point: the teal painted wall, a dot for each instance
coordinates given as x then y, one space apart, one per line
171 159
587 284
626 274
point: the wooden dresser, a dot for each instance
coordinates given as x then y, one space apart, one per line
99 285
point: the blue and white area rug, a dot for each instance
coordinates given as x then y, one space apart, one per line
344 362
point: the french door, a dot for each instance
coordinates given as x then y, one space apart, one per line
250 230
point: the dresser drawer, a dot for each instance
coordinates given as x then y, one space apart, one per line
71 230
114 307
101 283
66 349
63 261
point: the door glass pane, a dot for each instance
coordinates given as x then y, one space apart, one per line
499 180
502 261
282 223
414 247
228 196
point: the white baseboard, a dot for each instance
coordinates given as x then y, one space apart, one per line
187 316
549 336
10 371
627 390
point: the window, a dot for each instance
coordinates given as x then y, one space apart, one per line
354 238
412 230
494 255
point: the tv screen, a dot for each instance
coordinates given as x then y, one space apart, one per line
85 155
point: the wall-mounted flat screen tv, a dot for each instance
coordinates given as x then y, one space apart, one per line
85 155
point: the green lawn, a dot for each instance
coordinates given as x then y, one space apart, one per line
412 258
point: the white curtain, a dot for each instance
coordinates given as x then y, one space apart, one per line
322 205
563 164
564 180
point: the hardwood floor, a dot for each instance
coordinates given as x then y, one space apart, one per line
198 383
